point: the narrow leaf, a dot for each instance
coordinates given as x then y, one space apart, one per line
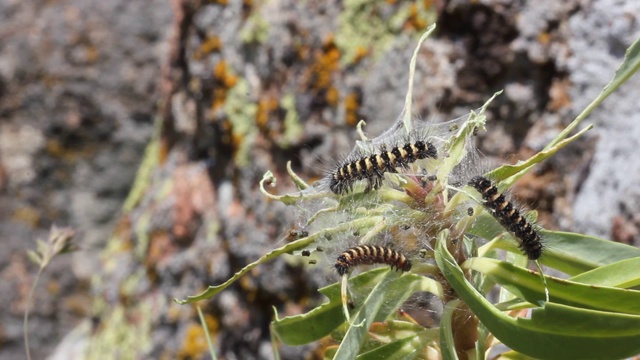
553 332
622 274
529 286
447 345
574 254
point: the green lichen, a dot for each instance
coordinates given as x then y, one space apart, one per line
242 112
255 29
363 25
293 129
123 334
149 162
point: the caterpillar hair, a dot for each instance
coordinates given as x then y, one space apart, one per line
371 254
373 167
509 217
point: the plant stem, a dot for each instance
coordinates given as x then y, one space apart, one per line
26 312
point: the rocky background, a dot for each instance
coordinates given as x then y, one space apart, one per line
195 100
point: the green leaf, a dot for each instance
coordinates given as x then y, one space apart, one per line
391 330
629 66
34 257
574 254
447 345
507 175
529 286
319 322
383 300
400 340
401 349
622 274
553 332
456 145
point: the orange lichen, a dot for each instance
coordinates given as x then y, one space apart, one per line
352 104
223 80
361 53
208 46
415 21
195 343
332 96
266 107
544 38
326 62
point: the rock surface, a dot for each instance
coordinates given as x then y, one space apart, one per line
242 88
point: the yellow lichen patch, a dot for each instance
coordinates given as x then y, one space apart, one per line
223 81
352 104
209 45
194 345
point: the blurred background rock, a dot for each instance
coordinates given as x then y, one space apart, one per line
200 98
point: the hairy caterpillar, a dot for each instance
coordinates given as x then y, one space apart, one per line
371 254
510 218
373 167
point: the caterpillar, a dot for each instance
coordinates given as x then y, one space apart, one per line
371 254
373 167
509 217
